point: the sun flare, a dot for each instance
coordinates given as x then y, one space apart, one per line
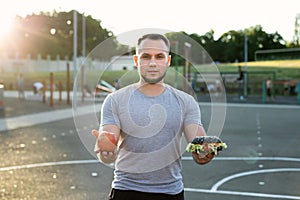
5 25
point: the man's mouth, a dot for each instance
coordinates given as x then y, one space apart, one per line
152 71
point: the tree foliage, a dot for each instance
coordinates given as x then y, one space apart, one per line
230 46
52 34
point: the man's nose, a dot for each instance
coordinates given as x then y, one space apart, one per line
152 62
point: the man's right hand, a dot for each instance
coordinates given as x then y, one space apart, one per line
106 146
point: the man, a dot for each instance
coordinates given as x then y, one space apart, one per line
147 119
240 81
269 85
37 87
20 86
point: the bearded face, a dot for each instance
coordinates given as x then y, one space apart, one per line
152 61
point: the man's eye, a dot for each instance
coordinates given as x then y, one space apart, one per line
160 56
145 57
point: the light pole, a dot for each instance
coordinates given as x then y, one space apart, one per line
187 66
75 42
83 59
176 63
74 53
245 67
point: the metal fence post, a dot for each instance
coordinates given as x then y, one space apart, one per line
1 96
298 92
264 91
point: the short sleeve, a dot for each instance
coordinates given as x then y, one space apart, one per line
109 112
192 112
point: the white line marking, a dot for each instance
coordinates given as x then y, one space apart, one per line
243 193
241 105
72 162
47 164
251 158
221 182
212 190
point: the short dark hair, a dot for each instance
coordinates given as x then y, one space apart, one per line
155 36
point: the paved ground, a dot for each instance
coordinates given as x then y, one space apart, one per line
33 104
46 158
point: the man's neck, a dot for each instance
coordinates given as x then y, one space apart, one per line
151 89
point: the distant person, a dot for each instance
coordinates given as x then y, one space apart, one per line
37 88
194 86
211 88
269 85
218 87
240 81
286 87
118 83
20 86
292 87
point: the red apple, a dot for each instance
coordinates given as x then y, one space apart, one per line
107 142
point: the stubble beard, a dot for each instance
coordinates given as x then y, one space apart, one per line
153 81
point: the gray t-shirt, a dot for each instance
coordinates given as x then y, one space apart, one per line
151 131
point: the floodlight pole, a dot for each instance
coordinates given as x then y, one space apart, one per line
75 42
176 63
74 53
187 48
83 35
245 67
83 56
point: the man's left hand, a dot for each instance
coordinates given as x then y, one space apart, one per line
202 158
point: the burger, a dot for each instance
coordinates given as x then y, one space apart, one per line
206 144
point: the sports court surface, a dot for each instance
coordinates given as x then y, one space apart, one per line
48 160
262 161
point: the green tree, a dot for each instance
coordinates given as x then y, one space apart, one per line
258 39
52 34
231 44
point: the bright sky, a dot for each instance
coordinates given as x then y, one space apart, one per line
191 16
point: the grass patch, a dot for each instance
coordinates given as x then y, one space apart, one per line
283 69
294 64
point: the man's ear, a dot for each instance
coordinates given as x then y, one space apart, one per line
135 60
169 60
